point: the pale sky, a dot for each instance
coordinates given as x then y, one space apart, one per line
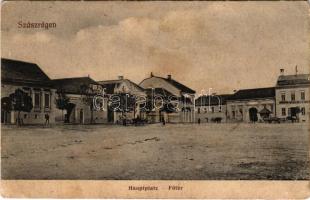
218 45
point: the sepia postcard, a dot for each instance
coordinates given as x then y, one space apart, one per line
155 99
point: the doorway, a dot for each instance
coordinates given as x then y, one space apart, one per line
253 114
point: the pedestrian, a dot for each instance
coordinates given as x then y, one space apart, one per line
124 120
163 120
47 119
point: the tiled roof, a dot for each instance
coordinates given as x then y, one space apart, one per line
73 85
176 84
285 80
257 93
180 86
15 71
111 84
212 100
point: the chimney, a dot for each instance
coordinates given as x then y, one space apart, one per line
152 74
120 77
169 76
281 72
235 91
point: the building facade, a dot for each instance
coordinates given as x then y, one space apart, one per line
251 105
292 97
183 96
211 108
81 109
30 78
119 88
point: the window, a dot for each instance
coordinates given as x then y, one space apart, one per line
37 99
205 110
289 112
47 100
293 96
302 95
303 111
36 116
220 108
25 116
283 96
198 110
233 114
212 109
283 112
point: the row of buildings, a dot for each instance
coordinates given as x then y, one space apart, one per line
289 99
71 100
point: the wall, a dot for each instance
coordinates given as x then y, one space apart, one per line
36 116
244 107
288 103
206 115
81 113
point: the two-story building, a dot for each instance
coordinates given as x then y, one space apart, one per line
81 91
181 93
30 78
292 96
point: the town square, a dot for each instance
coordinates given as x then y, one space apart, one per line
153 90
157 152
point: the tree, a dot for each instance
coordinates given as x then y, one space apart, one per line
20 102
62 102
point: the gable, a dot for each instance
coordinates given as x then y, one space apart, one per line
157 82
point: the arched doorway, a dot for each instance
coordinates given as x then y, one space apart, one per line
253 114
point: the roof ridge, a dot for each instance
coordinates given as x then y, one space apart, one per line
257 88
9 59
72 78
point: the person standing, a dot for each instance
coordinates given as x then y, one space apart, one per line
163 121
47 119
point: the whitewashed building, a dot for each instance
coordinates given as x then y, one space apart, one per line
80 111
211 108
251 105
181 93
30 78
292 96
123 86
